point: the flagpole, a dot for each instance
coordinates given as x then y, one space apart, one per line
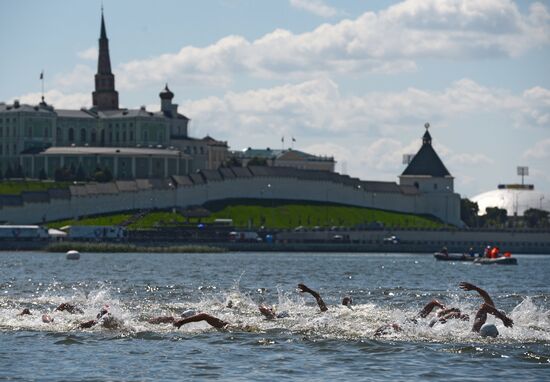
42 79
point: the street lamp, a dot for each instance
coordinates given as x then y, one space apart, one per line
270 192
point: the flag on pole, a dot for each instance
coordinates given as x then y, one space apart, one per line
293 140
283 139
42 75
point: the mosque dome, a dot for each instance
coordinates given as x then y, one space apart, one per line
514 198
166 93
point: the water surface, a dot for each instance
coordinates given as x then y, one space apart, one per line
338 344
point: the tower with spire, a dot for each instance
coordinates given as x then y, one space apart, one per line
104 97
426 171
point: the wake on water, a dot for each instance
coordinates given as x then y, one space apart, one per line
531 323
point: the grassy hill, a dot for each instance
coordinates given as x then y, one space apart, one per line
280 214
16 187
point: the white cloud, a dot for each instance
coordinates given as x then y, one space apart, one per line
58 99
388 41
318 106
88 54
317 7
541 150
81 77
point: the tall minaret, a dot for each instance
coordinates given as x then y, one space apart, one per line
105 97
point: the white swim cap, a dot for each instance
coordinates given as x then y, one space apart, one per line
188 313
488 330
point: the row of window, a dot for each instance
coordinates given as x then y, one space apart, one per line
105 136
7 150
7 131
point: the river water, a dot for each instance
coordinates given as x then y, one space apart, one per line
307 345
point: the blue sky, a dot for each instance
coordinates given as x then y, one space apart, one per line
355 80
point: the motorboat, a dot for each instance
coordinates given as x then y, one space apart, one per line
453 256
498 260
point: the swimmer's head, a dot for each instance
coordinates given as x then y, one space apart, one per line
103 311
347 301
488 330
25 311
188 313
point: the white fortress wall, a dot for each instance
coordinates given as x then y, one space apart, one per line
446 206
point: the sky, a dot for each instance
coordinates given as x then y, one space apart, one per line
352 79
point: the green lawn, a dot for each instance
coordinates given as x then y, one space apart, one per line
97 220
282 214
15 187
276 214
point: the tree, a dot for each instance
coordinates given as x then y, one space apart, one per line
18 171
232 162
80 174
469 212
495 216
9 172
257 162
42 174
102 175
535 218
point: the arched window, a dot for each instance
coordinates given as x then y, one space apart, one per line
145 137
58 135
93 136
82 135
71 135
416 184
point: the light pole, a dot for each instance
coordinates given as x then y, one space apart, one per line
270 192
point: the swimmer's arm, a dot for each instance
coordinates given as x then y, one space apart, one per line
69 308
211 320
429 307
467 286
87 324
304 289
161 320
507 321
481 317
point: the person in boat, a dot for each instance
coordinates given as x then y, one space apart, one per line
302 288
488 307
487 251
444 251
471 252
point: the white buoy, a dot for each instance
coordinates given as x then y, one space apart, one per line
73 255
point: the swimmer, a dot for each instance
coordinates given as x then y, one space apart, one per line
70 308
442 315
211 320
46 318
270 313
104 317
170 319
304 289
25 312
488 307
346 301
